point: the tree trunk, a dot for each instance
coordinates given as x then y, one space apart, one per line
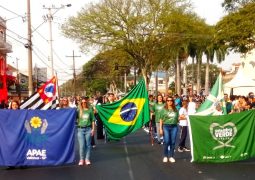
207 76
192 75
167 81
185 77
199 61
178 77
146 78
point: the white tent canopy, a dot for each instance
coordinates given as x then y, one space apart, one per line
244 81
240 80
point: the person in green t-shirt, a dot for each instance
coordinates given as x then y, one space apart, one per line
86 128
156 109
168 128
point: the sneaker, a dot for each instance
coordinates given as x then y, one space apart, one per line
81 162
164 159
186 149
180 149
171 159
87 162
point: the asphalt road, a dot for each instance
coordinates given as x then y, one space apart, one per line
134 158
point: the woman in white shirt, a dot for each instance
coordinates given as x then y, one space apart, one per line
183 123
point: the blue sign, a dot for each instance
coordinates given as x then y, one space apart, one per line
37 137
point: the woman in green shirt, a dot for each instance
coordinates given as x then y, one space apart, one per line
168 127
156 109
86 128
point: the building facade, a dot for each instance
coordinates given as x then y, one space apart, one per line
5 48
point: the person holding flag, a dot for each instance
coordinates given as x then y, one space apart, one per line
125 116
168 128
215 98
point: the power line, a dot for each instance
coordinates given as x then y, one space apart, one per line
47 58
41 36
60 58
19 36
23 17
74 74
15 39
41 59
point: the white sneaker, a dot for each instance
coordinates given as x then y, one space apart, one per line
186 149
180 149
171 159
81 162
164 159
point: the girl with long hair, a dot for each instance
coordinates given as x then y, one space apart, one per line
168 128
86 128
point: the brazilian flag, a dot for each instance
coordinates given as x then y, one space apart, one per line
126 115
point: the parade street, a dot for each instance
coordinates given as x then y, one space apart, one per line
134 158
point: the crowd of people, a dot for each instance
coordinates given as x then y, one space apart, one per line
168 115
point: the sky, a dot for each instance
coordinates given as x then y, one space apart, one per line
14 10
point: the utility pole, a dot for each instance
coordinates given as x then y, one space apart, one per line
29 47
74 74
49 17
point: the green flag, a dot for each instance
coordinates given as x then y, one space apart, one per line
215 98
126 115
223 138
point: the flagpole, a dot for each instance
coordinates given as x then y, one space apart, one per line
151 132
57 90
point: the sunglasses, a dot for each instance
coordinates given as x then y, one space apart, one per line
169 100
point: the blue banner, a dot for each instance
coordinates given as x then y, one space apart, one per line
37 137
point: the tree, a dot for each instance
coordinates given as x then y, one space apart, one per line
236 31
99 73
183 30
234 5
213 74
134 26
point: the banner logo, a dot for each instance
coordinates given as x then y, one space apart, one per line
36 129
223 134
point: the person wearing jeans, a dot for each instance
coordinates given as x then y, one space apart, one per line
86 128
168 128
84 139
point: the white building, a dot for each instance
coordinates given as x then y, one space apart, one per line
161 82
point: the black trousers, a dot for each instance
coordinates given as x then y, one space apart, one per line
183 136
100 127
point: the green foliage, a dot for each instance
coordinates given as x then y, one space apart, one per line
237 31
150 31
234 5
214 72
99 72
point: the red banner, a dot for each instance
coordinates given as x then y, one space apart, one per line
3 87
